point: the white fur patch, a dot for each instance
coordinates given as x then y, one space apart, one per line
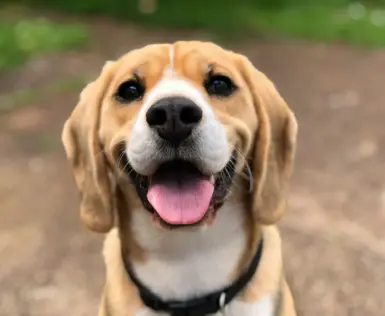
170 70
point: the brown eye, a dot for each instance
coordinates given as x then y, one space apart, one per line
220 86
130 91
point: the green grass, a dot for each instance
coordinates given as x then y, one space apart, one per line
354 25
22 40
333 21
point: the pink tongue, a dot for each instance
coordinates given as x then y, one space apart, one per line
181 203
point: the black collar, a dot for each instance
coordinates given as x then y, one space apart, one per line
208 304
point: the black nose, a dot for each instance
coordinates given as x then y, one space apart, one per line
174 118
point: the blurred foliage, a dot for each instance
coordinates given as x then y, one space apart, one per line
24 39
308 3
347 21
355 24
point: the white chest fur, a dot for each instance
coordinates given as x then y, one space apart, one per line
181 264
184 263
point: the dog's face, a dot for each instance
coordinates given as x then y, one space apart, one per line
180 121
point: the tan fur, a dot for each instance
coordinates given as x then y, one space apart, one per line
81 142
274 145
258 123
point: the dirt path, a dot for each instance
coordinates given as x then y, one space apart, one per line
334 241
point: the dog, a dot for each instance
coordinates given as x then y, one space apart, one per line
182 153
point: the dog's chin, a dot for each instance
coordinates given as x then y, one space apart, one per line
179 195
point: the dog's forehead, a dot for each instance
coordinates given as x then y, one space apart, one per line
149 60
184 58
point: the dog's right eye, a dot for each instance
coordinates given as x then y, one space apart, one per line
130 91
220 86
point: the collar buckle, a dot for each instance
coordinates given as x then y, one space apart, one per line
222 300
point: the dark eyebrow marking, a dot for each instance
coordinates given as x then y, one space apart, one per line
211 69
137 71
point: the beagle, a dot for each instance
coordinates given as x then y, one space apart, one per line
182 152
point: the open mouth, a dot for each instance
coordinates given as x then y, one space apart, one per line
178 194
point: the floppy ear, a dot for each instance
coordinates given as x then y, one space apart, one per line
83 150
274 146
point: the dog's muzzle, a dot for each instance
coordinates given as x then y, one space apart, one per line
186 181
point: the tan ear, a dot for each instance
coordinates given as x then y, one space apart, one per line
83 150
274 146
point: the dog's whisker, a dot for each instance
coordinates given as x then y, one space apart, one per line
249 175
251 178
239 153
126 166
121 157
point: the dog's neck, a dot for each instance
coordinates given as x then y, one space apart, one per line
182 263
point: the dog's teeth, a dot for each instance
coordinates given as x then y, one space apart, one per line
212 179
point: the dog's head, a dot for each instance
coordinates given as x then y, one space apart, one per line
180 122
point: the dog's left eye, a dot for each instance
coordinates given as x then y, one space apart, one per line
129 91
219 85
